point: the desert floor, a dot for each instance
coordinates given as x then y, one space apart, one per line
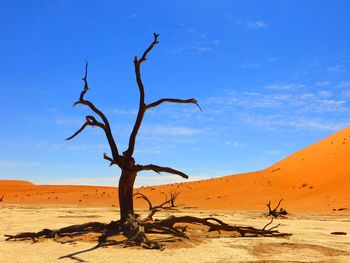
311 241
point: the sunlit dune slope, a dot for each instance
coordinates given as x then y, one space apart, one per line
316 178
14 183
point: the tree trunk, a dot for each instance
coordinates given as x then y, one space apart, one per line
125 192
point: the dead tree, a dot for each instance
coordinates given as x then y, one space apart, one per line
131 225
276 213
173 194
173 197
168 204
2 198
125 161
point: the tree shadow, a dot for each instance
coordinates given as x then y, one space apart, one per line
73 256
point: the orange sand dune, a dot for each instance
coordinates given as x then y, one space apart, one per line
14 182
316 178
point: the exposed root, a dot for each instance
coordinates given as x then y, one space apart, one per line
219 225
134 229
70 231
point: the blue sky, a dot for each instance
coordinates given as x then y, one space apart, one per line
271 76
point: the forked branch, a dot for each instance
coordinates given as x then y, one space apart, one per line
106 157
142 105
142 196
160 169
155 42
90 120
86 85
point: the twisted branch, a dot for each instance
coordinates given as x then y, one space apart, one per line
93 122
142 106
90 121
160 169
187 101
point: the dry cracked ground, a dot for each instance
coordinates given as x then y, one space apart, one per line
312 240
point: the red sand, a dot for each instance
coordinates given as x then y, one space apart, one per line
316 178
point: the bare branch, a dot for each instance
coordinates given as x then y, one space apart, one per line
78 131
86 86
274 227
106 157
155 42
173 196
268 223
187 101
153 209
142 106
279 203
106 126
160 169
142 196
90 121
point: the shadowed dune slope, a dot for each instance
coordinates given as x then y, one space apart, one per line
316 178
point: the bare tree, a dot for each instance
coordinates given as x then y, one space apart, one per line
2 198
173 194
125 161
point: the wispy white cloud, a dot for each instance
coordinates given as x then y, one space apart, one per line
251 65
169 130
346 94
284 86
197 42
17 164
280 122
257 24
325 94
323 83
304 102
123 111
235 144
293 106
273 59
273 152
38 145
343 84
336 69
195 48
61 120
